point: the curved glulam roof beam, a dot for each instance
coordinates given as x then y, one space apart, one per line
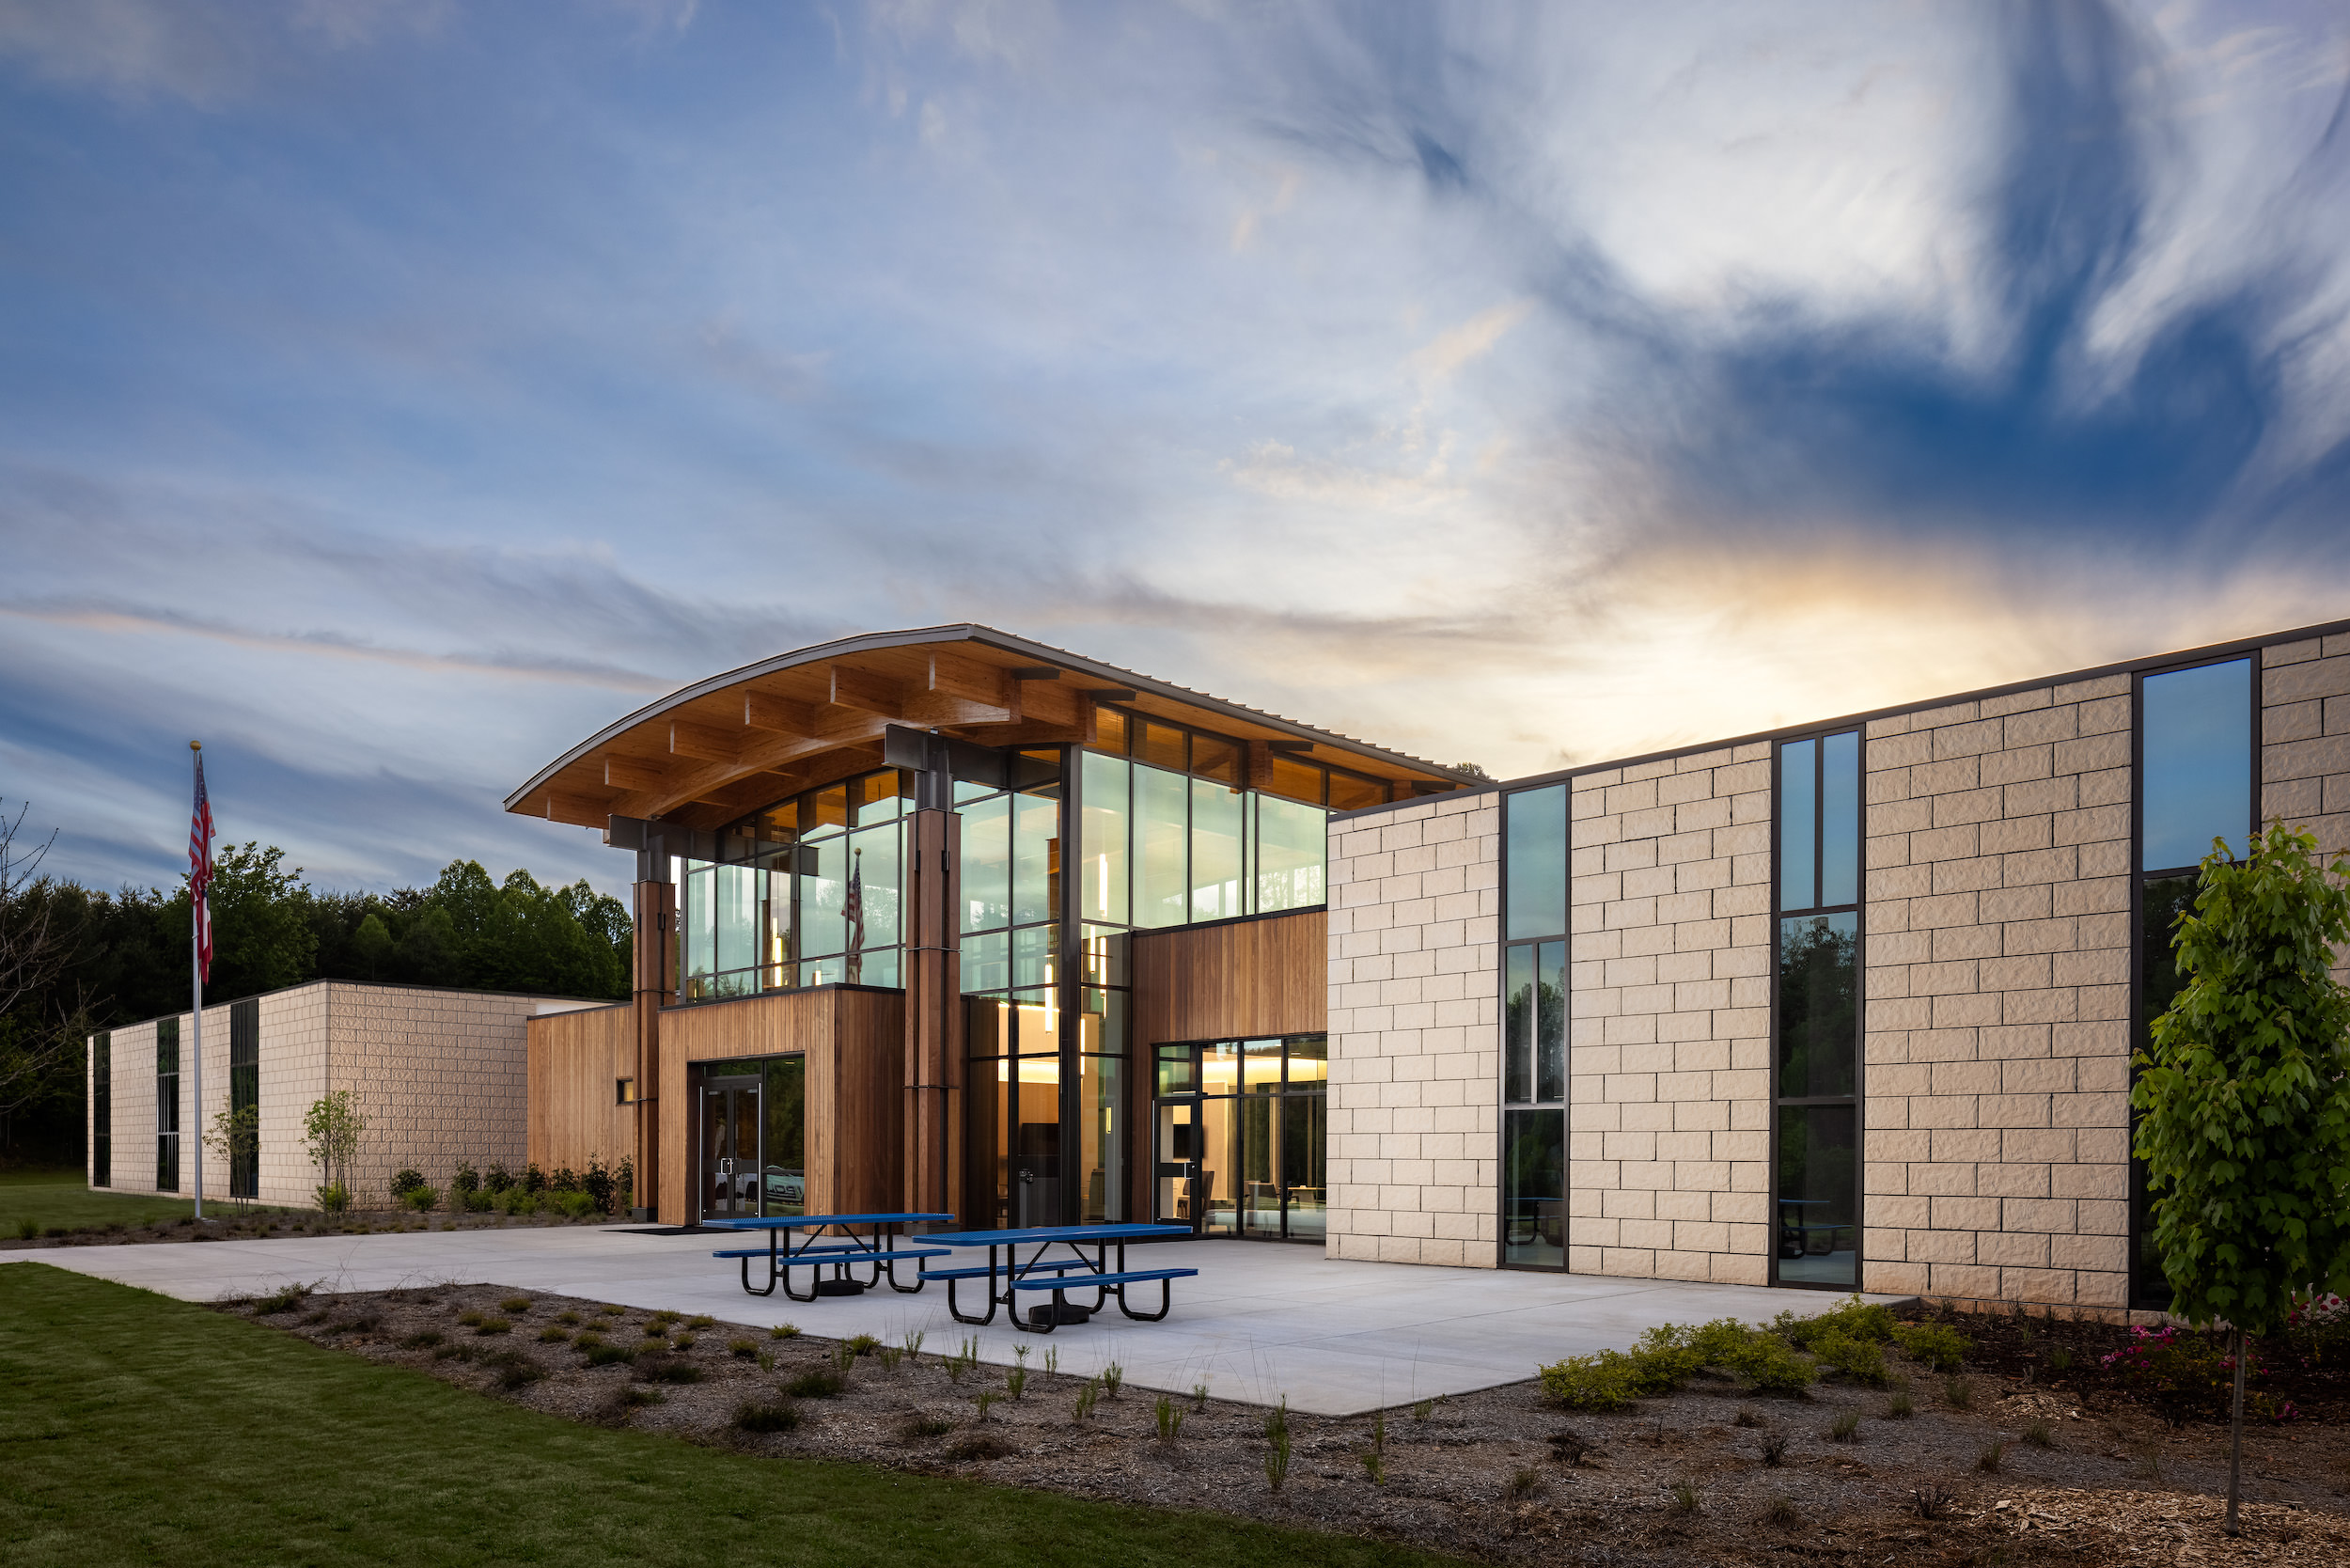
709 752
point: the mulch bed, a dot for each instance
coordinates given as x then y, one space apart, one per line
227 1222
1499 1476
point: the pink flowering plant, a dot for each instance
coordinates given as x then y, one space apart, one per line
2188 1376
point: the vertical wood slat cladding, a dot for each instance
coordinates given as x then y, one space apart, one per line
853 1041
574 1060
1243 979
1266 975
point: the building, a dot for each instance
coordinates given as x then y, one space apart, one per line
439 1074
951 921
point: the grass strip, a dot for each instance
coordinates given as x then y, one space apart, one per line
136 1429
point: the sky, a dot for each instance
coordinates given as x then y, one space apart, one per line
393 394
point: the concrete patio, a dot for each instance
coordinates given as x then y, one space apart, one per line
1261 1321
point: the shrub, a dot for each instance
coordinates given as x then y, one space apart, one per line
491 1326
1959 1393
1783 1513
420 1198
979 1445
1774 1449
406 1182
1571 1448
284 1299
2185 1375
1900 1407
784 1331
601 1354
917 1427
1992 1459
28 1230
1170 1418
817 1383
742 1350
598 1185
564 1180
1861 1360
1854 1320
335 1198
700 1321
1937 1345
865 1345
464 1179
761 1415
1686 1497
2039 1436
514 1304
1847 1428
1767 1366
469 1317
515 1369
576 1204
554 1334
568 1316
498 1178
480 1202
666 1369
1524 1482
1608 1381
422 1339
533 1179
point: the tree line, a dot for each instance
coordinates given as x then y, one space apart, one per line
75 959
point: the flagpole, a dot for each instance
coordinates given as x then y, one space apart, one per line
195 987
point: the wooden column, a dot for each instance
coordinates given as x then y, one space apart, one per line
653 957
934 1025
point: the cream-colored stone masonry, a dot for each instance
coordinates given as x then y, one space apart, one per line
439 1075
1996 985
1669 1009
1415 1033
2305 736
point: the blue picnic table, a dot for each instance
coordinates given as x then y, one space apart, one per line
877 1248
1043 1274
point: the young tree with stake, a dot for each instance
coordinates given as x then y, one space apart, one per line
2245 1095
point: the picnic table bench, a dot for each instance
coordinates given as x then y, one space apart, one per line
1006 1275
878 1249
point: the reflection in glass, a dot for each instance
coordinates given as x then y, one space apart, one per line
167 1104
1215 851
1162 831
1178 1127
987 961
2163 900
1818 1220
783 1155
1550 1022
1176 1072
1102 875
986 863
1291 841
1260 1066
1101 1127
1103 956
1537 872
1819 977
2196 737
1034 951
1215 1193
873 859
1517 1057
1309 1061
1159 745
1305 1143
1036 1173
1839 819
1534 1186
1219 1067
1798 824
1036 858
986 1158
1259 1194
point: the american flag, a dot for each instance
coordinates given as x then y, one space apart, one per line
853 913
200 871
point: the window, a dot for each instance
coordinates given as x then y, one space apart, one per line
102 1110
167 1105
1534 1029
244 1098
806 892
1242 1135
2197 747
1816 1066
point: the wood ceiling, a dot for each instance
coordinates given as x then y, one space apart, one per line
711 752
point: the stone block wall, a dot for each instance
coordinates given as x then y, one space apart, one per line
1996 978
1415 1033
2305 739
1669 1018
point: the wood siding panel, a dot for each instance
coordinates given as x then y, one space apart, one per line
853 1041
1267 975
574 1060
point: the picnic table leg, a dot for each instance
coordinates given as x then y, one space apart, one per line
786 1268
958 1313
748 1289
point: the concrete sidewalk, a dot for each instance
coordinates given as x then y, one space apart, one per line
1261 1321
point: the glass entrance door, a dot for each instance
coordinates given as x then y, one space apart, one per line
1241 1133
729 1147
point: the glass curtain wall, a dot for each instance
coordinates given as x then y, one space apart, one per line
807 892
1817 1064
1534 1029
167 1105
2197 752
1241 1134
101 1111
244 1097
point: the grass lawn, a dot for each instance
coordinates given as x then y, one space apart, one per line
138 1429
63 1198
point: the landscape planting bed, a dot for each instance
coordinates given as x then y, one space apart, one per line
1503 1475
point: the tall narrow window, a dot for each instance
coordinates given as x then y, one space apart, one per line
244 1098
102 1110
1534 1029
2195 752
1817 1064
167 1104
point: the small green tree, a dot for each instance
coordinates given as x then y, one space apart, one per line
235 1134
330 1135
2245 1090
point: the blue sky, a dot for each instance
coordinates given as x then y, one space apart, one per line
393 394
